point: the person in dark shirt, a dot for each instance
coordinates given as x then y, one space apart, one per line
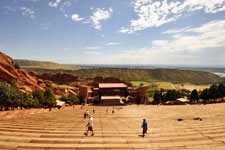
144 126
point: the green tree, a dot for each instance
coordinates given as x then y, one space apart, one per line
157 97
221 89
4 95
82 99
214 92
172 95
205 95
29 102
39 95
64 98
73 99
50 99
194 95
184 92
35 103
10 97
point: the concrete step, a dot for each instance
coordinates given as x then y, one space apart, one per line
64 129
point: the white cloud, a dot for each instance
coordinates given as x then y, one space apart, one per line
174 31
27 12
186 47
128 52
93 48
75 17
112 43
65 15
45 26
51 4
64 5
67 4
9 8
54 4
160 42
210 35
156 13
99 15
93 53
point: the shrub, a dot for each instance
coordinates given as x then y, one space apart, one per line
16 65
82 99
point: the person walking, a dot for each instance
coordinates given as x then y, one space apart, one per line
107 111
86 114
144 126
90 126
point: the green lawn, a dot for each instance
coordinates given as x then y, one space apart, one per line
138 83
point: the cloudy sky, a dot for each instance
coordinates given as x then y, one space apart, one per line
114 31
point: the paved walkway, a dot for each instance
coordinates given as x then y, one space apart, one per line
63 129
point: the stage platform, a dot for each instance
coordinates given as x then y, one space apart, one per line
111 100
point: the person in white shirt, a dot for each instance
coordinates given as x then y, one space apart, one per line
90 126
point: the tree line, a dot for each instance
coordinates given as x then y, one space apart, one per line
207 95
11 97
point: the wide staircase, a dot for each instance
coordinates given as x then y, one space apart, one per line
64 130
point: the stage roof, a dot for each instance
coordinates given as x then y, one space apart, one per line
112 85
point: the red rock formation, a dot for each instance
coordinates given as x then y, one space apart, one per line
7 70
59 77
58 92
98 79
33 74
25 81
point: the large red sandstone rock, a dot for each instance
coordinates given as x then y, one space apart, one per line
8 73
59 77
33 74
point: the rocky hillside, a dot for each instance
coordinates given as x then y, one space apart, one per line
24 80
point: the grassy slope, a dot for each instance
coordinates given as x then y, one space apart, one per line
147 75
43 64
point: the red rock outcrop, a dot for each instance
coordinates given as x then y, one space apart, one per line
33 74
24 80
7 71
59 77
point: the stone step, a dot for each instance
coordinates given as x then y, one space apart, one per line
100 140
34 146
64 129
189 145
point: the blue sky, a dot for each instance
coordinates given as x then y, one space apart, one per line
114 31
